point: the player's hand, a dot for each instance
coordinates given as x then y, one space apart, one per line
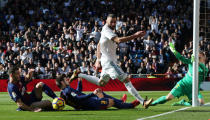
31 70
97 65
140 33
172 48
37 109
97 91
171 45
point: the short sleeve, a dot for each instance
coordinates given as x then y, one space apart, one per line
109 33
14 92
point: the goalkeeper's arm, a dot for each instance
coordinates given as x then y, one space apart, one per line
178 55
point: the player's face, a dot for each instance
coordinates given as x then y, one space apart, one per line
111 22
65 82
202 57
16 75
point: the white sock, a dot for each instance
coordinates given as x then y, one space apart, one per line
134 92
90 78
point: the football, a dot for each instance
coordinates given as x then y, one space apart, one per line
58 103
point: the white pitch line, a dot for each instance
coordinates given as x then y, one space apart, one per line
166 113
163 113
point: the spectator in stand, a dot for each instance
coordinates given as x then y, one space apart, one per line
95 34
149 42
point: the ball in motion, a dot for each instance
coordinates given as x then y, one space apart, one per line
58 103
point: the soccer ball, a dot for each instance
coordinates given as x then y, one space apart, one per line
58 103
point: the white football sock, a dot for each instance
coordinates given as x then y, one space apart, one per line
134 92
90 78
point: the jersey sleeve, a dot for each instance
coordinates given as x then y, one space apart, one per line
205 69
82 97
79 86
181 58
14 93
109 33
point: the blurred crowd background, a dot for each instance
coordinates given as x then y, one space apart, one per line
57 36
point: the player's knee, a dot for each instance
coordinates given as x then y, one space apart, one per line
102 83
48 102
39 85
201 101
169 96
126 80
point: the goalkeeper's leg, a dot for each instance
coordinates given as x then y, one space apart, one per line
163 99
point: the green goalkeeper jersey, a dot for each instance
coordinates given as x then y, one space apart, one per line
187 80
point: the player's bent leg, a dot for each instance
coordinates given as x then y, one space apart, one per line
201 101
102 83
163 99
43 87
169 97
121 105
44 104
182 103
104 79
132 90
92 79
115 99
38 90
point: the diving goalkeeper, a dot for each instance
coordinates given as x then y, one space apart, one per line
184 86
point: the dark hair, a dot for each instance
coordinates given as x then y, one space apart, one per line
111 15
59 79
12 69
201 52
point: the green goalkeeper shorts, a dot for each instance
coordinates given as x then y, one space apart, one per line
180 90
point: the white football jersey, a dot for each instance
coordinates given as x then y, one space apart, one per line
107 46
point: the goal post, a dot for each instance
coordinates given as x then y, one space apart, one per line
196 16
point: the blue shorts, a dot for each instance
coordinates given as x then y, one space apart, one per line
95 103
28 99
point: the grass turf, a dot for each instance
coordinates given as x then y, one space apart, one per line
8 110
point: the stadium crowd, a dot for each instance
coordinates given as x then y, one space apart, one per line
58 36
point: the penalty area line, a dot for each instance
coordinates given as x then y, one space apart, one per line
167 113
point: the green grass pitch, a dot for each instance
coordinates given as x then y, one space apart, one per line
8 110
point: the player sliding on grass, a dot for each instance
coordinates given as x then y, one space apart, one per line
29 102
106 56
97 100
184 86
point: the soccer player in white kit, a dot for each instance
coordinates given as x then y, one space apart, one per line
107 58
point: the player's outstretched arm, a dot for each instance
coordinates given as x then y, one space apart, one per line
129 38
84 97
26 107
177 54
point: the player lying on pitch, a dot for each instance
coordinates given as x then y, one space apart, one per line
184 86
29 102
97 100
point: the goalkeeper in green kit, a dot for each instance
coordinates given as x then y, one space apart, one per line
184 86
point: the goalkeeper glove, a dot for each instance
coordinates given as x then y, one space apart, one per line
192 58
172 48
